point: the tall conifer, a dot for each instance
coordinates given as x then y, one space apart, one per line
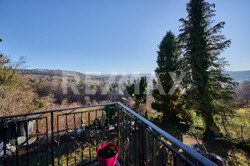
202 44
171 105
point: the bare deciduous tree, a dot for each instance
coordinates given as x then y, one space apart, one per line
243 93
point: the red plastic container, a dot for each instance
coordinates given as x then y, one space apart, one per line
110 161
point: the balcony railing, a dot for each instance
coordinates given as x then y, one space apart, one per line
71 137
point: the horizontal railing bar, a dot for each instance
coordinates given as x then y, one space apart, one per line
58 110
197 156
27 119
79 112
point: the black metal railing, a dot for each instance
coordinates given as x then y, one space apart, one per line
71 137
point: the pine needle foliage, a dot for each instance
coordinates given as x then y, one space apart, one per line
171 105
202 43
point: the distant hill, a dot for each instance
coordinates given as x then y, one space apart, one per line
59 73
238 76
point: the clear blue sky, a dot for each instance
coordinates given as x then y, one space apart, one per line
108 35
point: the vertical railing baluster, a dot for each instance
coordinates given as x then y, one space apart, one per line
108 120
17 148
37 144
140 144
5 126
75 140
126 138
144 144
118 127
122 140
27 143
167 154
174 159
153 151
96 117
58 141
89 136
135 131
67 133
163 155
96 130
146 151
52 138
103 124
82 137
130 139
47 139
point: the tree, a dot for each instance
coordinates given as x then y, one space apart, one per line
138 91
7 72
16 95
171 105
243 94
202 44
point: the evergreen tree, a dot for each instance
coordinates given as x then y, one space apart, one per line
138 91
171 105
203 43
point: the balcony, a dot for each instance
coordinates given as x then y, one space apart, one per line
71 137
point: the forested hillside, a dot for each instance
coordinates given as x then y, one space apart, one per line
238 76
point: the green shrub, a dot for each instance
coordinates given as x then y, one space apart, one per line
42 103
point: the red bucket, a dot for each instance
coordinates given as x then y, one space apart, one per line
110 161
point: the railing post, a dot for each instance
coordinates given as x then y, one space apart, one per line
52 138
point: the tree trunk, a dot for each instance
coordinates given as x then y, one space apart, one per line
211 129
